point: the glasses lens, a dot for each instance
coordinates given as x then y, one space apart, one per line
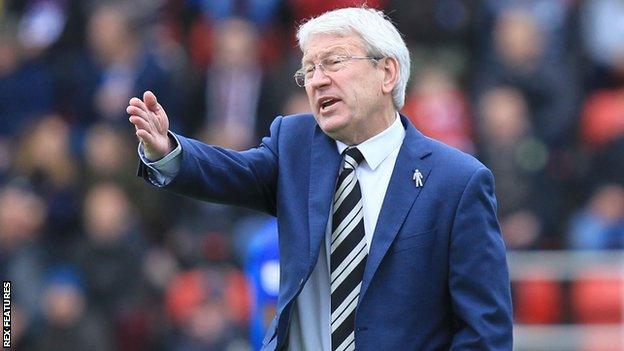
333 63
299 79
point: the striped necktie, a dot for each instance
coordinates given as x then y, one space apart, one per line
348 252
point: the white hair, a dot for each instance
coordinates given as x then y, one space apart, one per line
380 37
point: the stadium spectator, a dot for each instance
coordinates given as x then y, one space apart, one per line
551 92
602 132
260 12
603 37
110 253
262 272
439 109
26 85
555 22
514 156
67 325
202 305
102 145
440 23
95 80
23 256
237 104
519 60
599 224
45 158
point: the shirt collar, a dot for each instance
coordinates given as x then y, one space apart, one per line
377 148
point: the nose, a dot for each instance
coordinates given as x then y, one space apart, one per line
319 78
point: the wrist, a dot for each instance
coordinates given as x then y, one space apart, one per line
171 144
150 155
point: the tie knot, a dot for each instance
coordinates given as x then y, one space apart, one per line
352 157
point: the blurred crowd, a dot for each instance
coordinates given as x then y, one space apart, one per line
99 260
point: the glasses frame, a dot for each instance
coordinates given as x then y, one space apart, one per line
300 75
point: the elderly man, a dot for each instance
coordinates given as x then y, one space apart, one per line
388 240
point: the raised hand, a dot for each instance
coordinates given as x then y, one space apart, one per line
151 124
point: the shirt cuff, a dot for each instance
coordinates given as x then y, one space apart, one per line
163 171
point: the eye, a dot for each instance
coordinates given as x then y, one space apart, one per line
337 59
308 69
332 63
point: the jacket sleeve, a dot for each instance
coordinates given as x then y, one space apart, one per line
211 173
478 277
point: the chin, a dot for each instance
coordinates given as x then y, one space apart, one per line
337 134
331 122
330 125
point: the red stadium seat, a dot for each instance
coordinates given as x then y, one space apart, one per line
537 299
597 296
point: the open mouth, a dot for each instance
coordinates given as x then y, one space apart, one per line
327 102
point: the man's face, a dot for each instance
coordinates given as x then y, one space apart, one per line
346 103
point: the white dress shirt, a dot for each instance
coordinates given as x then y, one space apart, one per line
310 329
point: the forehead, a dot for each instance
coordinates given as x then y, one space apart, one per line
320 44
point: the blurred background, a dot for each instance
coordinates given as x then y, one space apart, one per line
101 261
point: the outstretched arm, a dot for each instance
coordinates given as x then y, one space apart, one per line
201 171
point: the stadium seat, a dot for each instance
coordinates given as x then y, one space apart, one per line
597 296
537 299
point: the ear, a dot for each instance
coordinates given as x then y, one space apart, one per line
390 67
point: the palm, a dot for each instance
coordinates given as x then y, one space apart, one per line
151 124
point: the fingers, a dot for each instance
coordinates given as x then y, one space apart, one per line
138 108
148 117
144 136
141 119
144 126
135 111
136 102
148 108
150 101
143 130
140 123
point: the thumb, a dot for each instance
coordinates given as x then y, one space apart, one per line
150 101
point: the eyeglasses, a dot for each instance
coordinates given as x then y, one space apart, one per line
329 64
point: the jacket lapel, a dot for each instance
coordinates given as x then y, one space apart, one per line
399 199
324 167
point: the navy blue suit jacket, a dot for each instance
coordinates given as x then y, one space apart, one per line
436 276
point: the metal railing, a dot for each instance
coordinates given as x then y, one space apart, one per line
561 267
